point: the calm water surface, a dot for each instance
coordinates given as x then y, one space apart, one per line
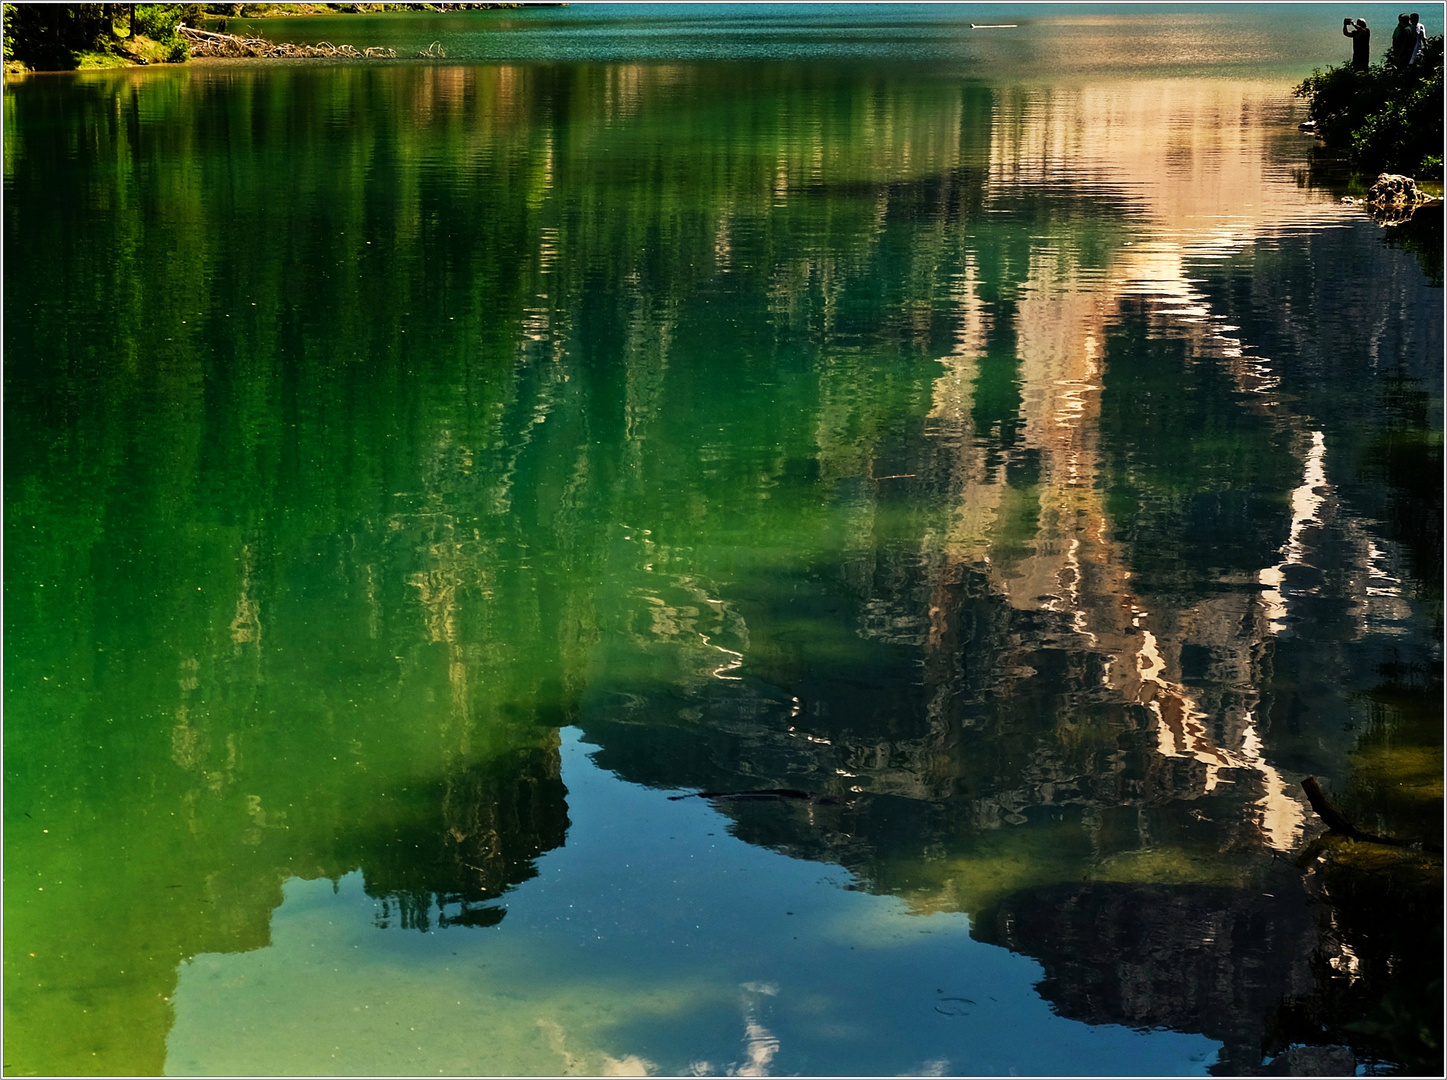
417 474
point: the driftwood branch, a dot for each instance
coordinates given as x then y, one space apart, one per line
209 43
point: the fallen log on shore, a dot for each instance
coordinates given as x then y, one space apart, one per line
210 43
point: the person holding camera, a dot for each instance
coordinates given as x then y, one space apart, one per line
1361 42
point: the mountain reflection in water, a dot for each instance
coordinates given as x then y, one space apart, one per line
1040 473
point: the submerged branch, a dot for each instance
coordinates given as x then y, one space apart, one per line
765 793
1338 823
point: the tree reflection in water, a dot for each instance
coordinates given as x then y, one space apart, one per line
977 455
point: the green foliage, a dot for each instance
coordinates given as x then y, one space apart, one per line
159 21
50 36
65 36
1387 118
61 37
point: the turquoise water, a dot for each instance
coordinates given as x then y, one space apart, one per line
1035 42
417 474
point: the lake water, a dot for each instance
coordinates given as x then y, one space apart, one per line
417 475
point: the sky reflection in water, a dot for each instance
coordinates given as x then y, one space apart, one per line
652 940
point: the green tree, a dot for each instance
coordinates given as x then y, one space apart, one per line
55 36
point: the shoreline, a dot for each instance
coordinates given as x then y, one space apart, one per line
142 51
308 11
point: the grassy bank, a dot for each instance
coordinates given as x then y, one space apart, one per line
1385 118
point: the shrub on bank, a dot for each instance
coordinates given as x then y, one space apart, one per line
158 22
1387 118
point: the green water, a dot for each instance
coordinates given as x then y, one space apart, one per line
415 474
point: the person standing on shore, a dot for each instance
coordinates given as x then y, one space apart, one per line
1419 37
1361 42
1403 40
